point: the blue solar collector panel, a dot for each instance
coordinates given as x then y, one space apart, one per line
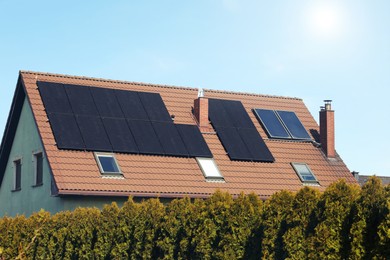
272 124
293 125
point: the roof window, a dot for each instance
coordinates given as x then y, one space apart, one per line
304 173
209 169
107 163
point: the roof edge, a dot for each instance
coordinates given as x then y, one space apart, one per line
166 195
11 125
155 85
105 80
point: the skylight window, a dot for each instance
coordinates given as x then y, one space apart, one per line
107 163
304 173
209 169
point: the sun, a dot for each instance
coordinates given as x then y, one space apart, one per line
325 20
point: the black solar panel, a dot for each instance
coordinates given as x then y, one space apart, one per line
237 132
81 100
270 121
131 105
233 144
145 137
101 119
106 102
194 141
170 139
54 97
293 125
93 133
255 144
218 115
66 131
155 107
237 114
120 135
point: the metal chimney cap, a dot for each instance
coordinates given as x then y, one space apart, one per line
200 93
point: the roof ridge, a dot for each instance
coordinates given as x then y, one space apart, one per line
155 85
106 80
251 94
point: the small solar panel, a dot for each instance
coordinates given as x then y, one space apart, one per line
237 114
120 135
54 97
293 125
66 131
170 139
93 133
145 137
155 107
233 144
194 141
131 105
106 102
270 121
81 100
255 144
218 115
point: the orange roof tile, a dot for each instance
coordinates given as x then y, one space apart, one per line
76 172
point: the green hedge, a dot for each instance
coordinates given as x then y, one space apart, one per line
344 222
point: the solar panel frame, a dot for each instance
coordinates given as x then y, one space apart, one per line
81 100
155 107
54 97
131 105
293 125
256 145
106 102
93 133
270 124
145 137
233 144
170 139
218 114
66 131
237 114
194 141
120 136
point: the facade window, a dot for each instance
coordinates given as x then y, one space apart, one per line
209 169
38 169
17 175
107 163
304 173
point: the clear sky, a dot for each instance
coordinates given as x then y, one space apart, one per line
311 49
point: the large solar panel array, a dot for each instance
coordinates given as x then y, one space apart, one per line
237 132
282 124
110 120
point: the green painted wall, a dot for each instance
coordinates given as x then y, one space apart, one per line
31 199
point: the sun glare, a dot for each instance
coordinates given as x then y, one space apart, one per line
325 20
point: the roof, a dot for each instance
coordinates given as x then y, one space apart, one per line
362 179
76 172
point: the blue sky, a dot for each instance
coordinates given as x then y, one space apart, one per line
311 49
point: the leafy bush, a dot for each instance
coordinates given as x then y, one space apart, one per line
344 222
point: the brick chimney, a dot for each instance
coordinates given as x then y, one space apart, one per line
201 112
327 129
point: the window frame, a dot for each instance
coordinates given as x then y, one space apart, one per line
207 176
315 181
35 165
111 155
17 186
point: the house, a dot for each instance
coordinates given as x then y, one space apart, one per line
76 141
362 179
